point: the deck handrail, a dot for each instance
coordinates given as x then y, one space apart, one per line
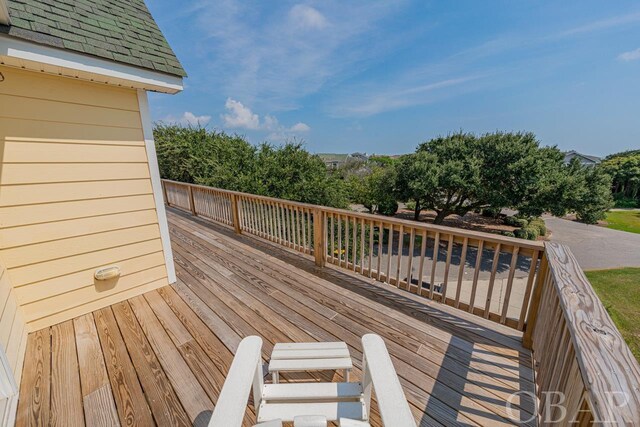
580 356
349 240
582 361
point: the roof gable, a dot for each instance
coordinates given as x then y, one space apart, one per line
118 30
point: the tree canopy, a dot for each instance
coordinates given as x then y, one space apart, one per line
217 159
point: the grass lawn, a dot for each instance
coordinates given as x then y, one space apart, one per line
624 221
619 290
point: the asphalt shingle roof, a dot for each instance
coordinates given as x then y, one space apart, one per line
119 30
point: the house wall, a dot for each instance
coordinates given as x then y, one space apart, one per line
13 328
75 195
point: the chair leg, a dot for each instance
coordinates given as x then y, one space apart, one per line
347 373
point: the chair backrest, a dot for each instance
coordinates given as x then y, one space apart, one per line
246 374
380 375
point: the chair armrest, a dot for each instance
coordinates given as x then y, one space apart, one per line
232 402
380 374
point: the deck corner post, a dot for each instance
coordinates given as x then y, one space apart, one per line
319 235
235 214
192 204
164 192
527 337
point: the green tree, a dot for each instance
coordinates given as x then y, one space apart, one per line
291 172
624 169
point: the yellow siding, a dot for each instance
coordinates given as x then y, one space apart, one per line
13 329
75 195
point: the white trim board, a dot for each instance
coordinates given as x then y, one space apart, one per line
36 57
147 129
4 13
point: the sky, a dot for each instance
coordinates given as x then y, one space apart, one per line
383 76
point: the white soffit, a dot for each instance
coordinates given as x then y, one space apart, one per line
36 57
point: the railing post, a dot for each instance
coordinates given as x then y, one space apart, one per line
527 338
192 204
164 192
235 214
319 237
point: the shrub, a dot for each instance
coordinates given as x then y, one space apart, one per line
625 202
515 221
491 212
388 207
540 225
508 234
528 232
410 205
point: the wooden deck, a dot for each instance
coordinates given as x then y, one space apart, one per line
161 358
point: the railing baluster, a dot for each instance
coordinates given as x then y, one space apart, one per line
476 275
379 260
492 279
527 292
434 265
370 259
463 260
507 295
400 248
346 241
446 269
389 253
355 243
423 253
412 236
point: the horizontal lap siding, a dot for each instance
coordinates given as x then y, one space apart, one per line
75 195
13 331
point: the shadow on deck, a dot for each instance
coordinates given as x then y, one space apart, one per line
162 357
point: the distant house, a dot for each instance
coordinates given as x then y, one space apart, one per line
584 159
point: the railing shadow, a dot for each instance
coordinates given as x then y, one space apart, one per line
478 336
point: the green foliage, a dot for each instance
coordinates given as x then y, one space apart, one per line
624 169
515 221
508 233
540 225
529 232
595 199
197 155
388 207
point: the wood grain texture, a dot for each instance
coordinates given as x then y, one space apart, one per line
66 397
176 344
35 389
606 364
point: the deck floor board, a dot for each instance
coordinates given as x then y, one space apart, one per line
161 358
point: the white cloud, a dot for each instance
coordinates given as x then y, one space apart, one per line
632 55
240 116
300 127
243 117
273 58
307 17
188 119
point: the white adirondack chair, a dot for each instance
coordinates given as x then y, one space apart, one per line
312 404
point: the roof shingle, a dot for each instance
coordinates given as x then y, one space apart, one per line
118 30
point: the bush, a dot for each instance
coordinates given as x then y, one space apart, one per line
388 207
508 234
625 202
515 221
528 232
540 225
491 212
410 205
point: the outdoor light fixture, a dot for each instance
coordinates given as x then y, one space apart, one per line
107 273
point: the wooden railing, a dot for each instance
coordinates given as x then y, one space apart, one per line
585 372
485 274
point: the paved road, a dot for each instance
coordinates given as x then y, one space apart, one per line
596 247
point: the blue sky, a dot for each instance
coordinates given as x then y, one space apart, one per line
381 77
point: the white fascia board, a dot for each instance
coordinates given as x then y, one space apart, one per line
156 184
4 13
86 67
